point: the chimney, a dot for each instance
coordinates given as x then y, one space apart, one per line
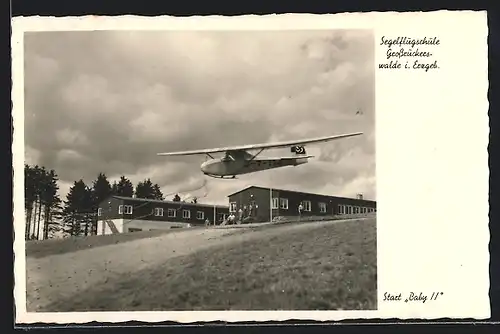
359 196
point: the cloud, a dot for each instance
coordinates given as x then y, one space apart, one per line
108 101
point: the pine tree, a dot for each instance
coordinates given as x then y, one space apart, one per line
158 195
176 198
29 196
145 189
39 174
101 189
124 187
41 195
88 211
54 222
51 202
78 205
114 188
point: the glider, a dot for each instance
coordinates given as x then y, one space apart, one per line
237 160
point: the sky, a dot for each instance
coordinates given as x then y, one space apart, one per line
109 101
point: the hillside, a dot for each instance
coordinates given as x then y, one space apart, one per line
323 265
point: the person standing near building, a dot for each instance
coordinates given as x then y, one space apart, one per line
245 211
230 219
251 207
300 209
240 215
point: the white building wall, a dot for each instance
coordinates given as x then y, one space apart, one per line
123 225
147 225
107 230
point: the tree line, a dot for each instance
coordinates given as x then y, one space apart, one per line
47 214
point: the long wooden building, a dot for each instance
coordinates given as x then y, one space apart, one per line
256 202
118 214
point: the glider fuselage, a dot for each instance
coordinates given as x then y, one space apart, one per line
238 161
222 167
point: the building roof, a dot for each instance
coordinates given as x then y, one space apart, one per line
297 192
168 202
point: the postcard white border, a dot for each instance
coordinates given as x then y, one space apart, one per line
466 135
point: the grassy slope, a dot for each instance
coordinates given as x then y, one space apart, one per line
42 248
328 267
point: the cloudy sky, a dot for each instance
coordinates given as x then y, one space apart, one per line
109 101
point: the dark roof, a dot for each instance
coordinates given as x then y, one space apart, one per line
296 192
168 202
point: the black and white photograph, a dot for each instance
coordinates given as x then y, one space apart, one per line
200 170
250 169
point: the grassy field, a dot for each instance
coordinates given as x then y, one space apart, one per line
328 266
43 248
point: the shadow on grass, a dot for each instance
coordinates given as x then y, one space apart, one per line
323 268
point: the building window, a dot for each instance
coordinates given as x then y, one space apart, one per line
120 209
306 205
128 209
322 207
186 214
99 212
349 210
274 203
200 215
365 210
232 207
171 213
159 212
341 209
284 203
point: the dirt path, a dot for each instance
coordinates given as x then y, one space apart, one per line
61 276
57 276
